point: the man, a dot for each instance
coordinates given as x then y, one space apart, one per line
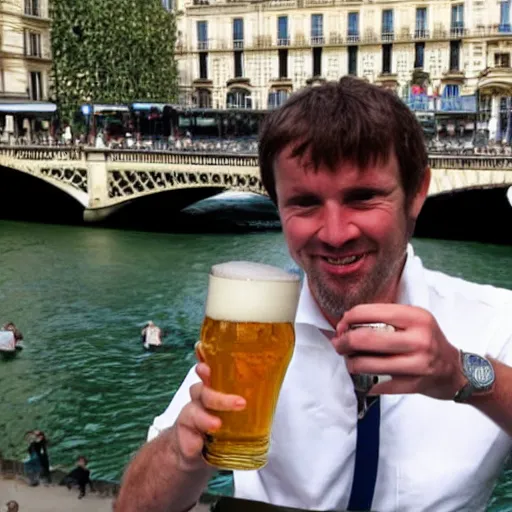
347 167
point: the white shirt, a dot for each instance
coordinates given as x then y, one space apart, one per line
434 455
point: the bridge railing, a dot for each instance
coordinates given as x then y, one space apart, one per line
470 162
42 152
227 160
181 158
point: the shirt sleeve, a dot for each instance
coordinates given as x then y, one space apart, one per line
501 342
180 399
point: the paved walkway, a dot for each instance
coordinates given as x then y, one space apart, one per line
54 498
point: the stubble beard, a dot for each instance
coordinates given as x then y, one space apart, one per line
334 301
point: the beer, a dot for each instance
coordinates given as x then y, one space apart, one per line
247 340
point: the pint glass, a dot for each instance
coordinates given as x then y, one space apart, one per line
247 340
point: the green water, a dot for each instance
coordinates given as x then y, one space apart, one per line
81 295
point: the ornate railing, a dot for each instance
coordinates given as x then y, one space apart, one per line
182 158
226 160
42 152
471 162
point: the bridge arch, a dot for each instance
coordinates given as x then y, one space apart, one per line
64 170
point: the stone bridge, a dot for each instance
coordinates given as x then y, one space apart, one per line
104 180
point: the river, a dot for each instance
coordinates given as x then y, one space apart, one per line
81 296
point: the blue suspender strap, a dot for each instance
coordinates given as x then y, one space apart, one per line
367 459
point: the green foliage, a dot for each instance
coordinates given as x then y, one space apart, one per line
112 51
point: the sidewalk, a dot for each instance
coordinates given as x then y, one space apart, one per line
54 498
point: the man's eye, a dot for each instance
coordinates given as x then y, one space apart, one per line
363 195
304 202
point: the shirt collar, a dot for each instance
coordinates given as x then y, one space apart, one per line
413 291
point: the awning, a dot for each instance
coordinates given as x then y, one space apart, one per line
102 108
28 107
148 106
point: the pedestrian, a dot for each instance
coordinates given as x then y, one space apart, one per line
346 165
79 476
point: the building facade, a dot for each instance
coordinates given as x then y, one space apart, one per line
439 55
25 52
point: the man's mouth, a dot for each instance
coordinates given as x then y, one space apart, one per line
346 260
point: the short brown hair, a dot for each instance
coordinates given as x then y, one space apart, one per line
348 120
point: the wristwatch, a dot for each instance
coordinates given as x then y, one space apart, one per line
480 374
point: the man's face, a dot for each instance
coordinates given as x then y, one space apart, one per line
348 229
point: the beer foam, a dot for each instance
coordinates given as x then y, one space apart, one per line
245 291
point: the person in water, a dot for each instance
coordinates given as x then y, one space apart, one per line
151 335
10 326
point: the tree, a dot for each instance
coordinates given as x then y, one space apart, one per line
112 51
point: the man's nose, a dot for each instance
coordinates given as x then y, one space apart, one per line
338 225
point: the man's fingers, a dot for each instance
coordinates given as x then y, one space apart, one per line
398 315
204 373
196 418
414 365
374 341
215 400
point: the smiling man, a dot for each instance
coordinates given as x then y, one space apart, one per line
346 165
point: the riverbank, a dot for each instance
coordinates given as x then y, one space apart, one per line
56 498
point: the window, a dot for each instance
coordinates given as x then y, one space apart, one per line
32 8
32 44
502 60
167 4
203 66
282 31
504 16
421 23
238 33
2 86
353 27
457 25
451 91
239 98
454 55
352 60
283 63
387 51
419 55
277 98
317 28
204 98
35 86
202 35
239 64
317 61
387 25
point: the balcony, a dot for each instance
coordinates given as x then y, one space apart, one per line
238 44
317 40
454 75
202 45
496 77
283 41
464 104
421 33
262 42
353 38
387 80
457 31
335 38
388 36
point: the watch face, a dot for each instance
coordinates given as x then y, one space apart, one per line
478 370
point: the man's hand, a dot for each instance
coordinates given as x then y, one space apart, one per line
417 354
198 419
